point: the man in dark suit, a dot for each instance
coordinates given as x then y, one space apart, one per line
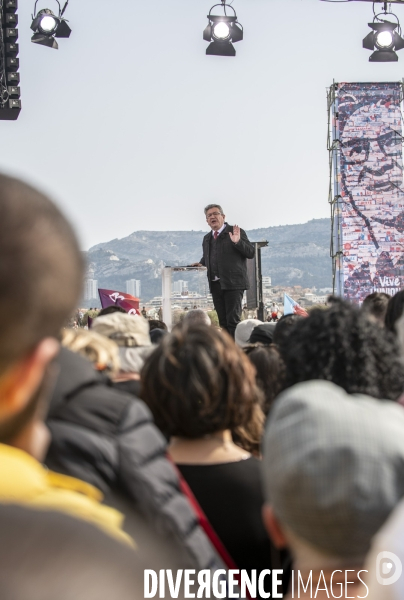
225 252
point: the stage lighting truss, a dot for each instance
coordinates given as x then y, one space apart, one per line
47 26
222 31
384 39
10 103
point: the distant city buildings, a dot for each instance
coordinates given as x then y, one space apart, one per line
180 287
90 289
187 301
134 287
315 298
266 289
306 297
266 283
156 302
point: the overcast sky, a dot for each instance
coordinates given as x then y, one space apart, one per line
130 126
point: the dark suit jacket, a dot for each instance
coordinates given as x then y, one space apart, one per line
232 259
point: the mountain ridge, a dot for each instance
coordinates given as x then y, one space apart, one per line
296 255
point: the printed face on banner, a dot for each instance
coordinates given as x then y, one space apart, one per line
371 177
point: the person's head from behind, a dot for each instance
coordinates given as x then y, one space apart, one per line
131 334
197 382
269 371
262 334
284 326
197 316
375 306
47 555
156 335
333 469
341 345
108 310
395 309
41 273
99 350
244 330
157 324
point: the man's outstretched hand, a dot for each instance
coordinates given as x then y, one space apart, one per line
196 265
235 236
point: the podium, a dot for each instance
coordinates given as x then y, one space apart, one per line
167 289
254 294
255 299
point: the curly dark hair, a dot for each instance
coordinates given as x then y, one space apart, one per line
284 327
341 345
199 382
395 309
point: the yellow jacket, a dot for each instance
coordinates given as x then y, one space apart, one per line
23 480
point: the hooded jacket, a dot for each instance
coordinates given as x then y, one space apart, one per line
108 438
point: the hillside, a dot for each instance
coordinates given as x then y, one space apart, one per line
296 255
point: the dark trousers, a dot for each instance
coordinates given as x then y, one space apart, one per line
228 305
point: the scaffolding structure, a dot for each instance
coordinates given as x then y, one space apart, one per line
334 190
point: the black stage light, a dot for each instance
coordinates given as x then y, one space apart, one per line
10 103
222 31
384 40
46 26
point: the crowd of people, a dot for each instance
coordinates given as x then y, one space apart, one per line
126 447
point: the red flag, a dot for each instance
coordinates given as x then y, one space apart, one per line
298 310
125 301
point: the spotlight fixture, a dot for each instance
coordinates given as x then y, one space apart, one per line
46 26
222 31
384 39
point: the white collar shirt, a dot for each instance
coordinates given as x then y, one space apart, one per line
219 231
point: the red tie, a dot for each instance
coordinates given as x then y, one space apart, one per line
215 235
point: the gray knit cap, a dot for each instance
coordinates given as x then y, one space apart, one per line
333 465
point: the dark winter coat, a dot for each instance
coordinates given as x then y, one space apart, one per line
108 438
231 259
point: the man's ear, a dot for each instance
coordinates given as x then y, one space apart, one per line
21 380
273 527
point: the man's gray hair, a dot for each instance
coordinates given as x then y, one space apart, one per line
209 206
197 316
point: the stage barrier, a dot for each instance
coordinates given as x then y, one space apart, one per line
366 188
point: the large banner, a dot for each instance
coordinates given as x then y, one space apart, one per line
370 220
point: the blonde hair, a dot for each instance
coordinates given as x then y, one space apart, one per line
98 349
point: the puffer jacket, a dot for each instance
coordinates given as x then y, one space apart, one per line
108 438
25 481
